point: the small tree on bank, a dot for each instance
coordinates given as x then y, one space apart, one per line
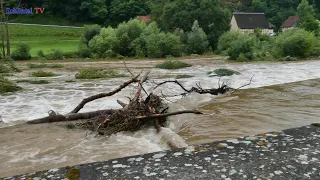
197 42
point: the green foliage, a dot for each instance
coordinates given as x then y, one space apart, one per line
126 33
43 65
172 64
55 54
95 73
33 81
294 43
197 42
311 24
212 16
42 74
305 10
163 44
22 52
105 43
242 58
138 45
222 72
40 53
89 32
235 43
7 87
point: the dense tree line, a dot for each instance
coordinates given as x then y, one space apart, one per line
113 12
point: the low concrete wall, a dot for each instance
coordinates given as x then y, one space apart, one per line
291 154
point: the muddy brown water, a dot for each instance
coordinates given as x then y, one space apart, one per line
29 148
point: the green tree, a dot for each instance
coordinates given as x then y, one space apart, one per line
294 43
126 33
212 16
94 9
197 42
105 43
311 24
305 10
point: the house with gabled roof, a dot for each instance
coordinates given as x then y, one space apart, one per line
290 23
248 22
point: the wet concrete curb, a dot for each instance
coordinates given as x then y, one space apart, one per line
290 154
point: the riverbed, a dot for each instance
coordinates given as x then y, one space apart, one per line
281 95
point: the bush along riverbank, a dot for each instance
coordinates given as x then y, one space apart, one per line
287 46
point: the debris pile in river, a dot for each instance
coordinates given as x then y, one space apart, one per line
136 114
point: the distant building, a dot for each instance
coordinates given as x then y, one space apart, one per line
248 22
144 18
290 23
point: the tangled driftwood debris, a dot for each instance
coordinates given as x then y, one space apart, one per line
133 116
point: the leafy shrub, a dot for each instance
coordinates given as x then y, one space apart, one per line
222 72
105 43
84 51
242 57
22 52
294 43
126 33
7 86
288 58
55 54
69 55
40 53
42 74
94 73
225 41
172 64
89 32
138 45
163 44
197 42
244 44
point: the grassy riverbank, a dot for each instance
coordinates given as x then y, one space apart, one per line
45 38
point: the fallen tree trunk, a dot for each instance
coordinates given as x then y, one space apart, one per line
71 116
132 116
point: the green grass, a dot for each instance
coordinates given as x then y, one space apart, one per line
33 81
7 87
223 72
95 73
45 38
42 74
172 64
45 19
43 65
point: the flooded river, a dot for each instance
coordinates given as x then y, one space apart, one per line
281 95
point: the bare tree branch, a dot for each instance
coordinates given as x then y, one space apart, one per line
243 85
155 116
101 95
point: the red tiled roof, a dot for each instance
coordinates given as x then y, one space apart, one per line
144 18
290 21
